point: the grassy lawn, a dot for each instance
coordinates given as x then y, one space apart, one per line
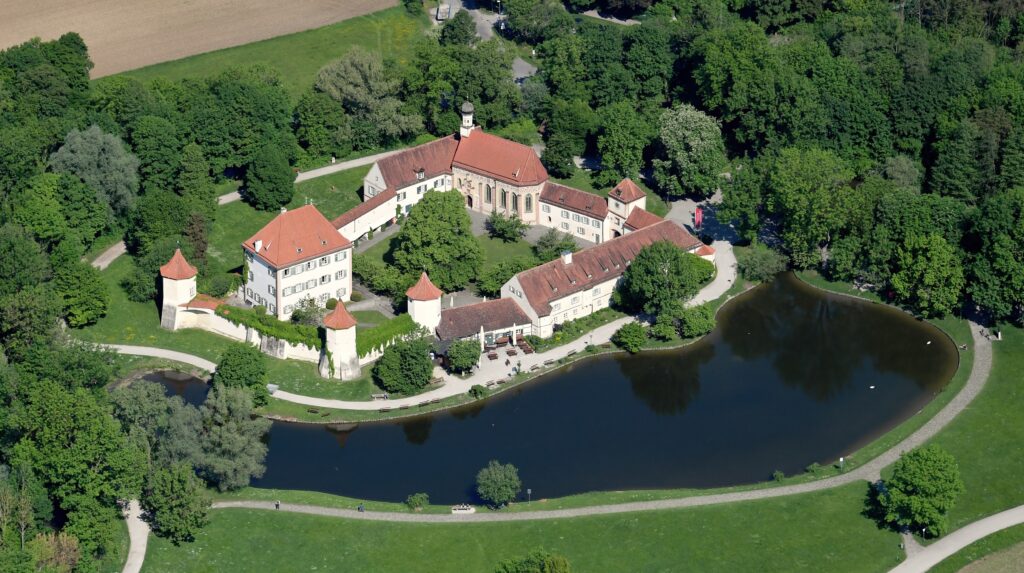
496 250
998 546
581 180
332 194
822 531
299 56
368 318
986 438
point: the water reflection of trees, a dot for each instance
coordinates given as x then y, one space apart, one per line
817 343
341 432
417 430
667 386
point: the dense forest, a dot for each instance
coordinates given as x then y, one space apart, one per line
880 143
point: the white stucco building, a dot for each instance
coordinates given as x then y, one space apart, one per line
297 255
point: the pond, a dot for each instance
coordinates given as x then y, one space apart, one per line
790 376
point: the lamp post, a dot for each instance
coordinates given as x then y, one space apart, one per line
529 496
842 463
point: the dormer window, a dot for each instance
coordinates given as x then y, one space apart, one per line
298 250
420 175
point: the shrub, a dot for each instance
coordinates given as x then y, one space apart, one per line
477 391
777 475
417 501
696 321
536 562
382 279
490 281
308 312
332 303
356 296
498 484
630 337
220 285
758 263
664 328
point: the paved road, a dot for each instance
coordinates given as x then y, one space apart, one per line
870 471
108 256
138 537
930 556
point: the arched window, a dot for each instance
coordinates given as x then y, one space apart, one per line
529 203
515 202
487 194
504 199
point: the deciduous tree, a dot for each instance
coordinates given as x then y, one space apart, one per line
930 275
242 365
925 484
498 484
269 183
231 442
437 238
102 161
405 366
662 274
693 149
176 502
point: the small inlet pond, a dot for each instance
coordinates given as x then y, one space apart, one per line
791 376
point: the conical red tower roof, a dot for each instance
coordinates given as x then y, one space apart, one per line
627 191
339 318
177 268
424 289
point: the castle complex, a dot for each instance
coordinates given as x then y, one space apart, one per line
301 255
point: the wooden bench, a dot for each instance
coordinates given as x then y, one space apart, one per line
379 396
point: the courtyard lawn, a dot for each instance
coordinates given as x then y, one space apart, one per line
298 57
821 531
581 180
368 318
496 250
113 561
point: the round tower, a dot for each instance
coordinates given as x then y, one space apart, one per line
425 303
177 288
340 358
467 119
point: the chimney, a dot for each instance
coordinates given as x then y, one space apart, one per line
258 245
567 257
467 120
284 209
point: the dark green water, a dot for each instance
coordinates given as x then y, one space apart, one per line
791 376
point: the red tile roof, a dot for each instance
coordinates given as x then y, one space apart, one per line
363 208
639 219
177 268
339 318
554 280
574 200
465 321
424 289
296 236
705 251
627 191
433 158
499 158
204 301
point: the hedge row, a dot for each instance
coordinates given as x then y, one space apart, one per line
268 325
377 336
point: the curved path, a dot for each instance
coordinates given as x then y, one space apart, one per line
932 555
138 537
869 471
163 353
